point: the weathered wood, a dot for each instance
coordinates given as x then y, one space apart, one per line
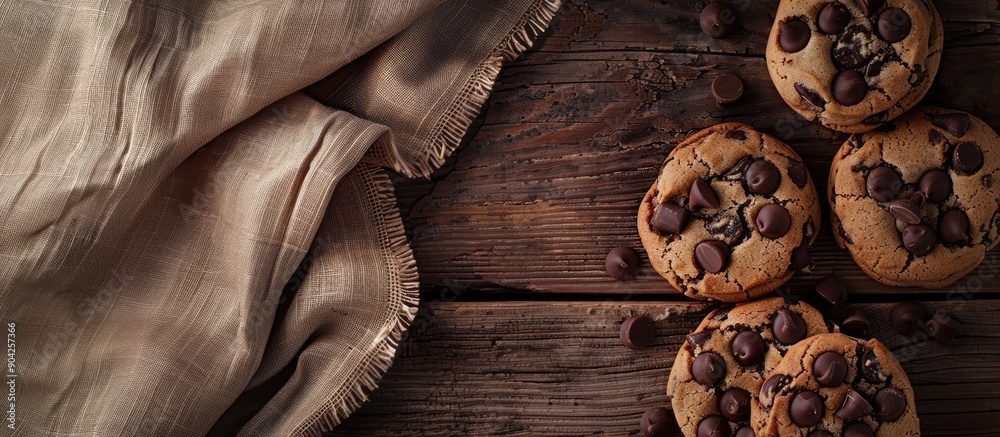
533 368
577 129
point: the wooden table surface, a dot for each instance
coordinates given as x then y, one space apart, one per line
518 330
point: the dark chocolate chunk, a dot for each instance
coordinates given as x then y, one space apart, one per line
670 219
717 20
884 184
742 164
830 369
848 49
658 422
854 407
734 404
709 368
810 96
748 348
774 384
727 88
833 18
702 195
798 173
919 199
889 404
935 137
801 257
698 339
788 326
763 177
893 25
832 289
622 263
858 429
936 185
806 409
957 124
794 35
729 225
877 119
943 327
869 7
849 88
637 332
919 239
712 256
773 221
876 65
871 367
954 227
714 426
905 211
967 158
908 317
745 431
737 134
857 324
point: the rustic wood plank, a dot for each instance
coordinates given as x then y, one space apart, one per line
577 128
534 368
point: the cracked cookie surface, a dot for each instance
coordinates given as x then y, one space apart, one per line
854 64
731 216
917 201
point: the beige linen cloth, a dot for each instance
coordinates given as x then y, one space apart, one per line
196 233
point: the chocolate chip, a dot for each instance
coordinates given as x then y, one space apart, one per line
905 211
727 88
935 137
801 257
742 164
833 18
622 263
893 25
729 225
919 199
871 367
884 184
832 289
806 409
714 426
890 403
698 339
788 327
637 332
854 407
748 348
967 158
709 368
877 119
794 35
658 422
849 88
936 185
763 177
857 324
857 141
908 317
774 384
737 134
669 218
734 405
820 433
746 431
717 20
919 239
810 96
954 227
773 221
830 369
798 173
875 66
957 124
858 429
712 256
849 46
702 195
868 7
943 327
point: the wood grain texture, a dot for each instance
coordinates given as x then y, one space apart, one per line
558 368
552 176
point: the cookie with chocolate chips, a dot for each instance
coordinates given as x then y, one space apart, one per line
832 384
731 216
720 368
917 201
854 64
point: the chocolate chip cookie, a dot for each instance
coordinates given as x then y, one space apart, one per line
854 64
731 216
832 384
721 366
917 201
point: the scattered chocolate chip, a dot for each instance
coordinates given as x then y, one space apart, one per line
855 407
737 134
957 124
908 317
868 7
954 227
858 429
714 426
702 195
943 327
670 219
884 184
794 35
810 96
833 18
889 404
637 332
919 239
936 185
622 263
773 221
849 88
893 25
832 289
806 409
857 324
746 431
748 348
712 256
763 177
658 422
774 384
905 211
709 368
798 173
727 88
734 404
717 20
871 367
967 158
830 369
788 326
801 257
